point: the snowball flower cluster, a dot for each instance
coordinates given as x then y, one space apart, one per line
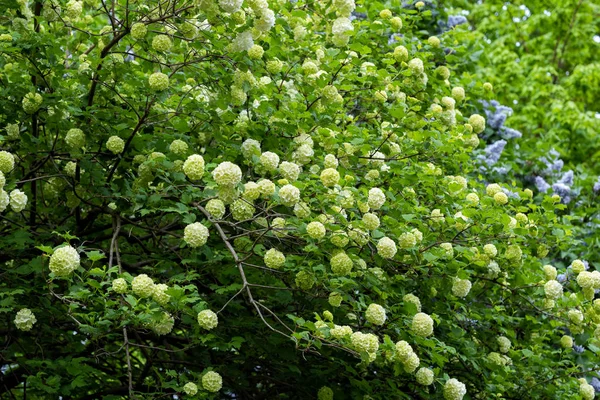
216 208
315 230
376 198
477 122
577 266
339 332
407 356
370 221
159 294
386 247
341 264
335 299
162 43
325 393
212 381
266 187
115 144
164 325
553 289
18 200
230 6
365 342
25 319
119 285
566 342
158 81
4 200
179 147
289 171
227 174
461 287
454 389
424 376
7 162
289 195
269 160
242 210
193 167
490 250
407 240
274 259
143 286
375 314
64 261
190 389
207 319
330 177
504 344
195 235
587 391
251 191
250 148
138 30
75 138
32 102
422 325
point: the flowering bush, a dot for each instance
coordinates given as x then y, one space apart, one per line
336 180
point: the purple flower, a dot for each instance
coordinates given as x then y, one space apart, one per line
541 184
494 151
597 185
595 382
561 278
567 178
454 20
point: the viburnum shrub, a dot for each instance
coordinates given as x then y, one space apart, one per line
292 194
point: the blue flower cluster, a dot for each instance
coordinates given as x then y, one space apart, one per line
562 186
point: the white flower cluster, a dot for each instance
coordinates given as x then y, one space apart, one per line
289 171
64 261
18 200
289 195
212 381
376 198
25 319
216 208
424 376
330 177
274 259
341 264
553 289
190 389
454 389
406 355
195 235
375 314
207 319
366 342
158 81
422 325
504 344
461 287
242 210
315 230
250 148
119 285
75 138
386 247
7 162
269 160
164 325
143 286
115 144
339 332
227 174
159 294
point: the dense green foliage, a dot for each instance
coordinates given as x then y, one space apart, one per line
252 199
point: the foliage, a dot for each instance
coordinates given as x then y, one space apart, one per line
248 200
